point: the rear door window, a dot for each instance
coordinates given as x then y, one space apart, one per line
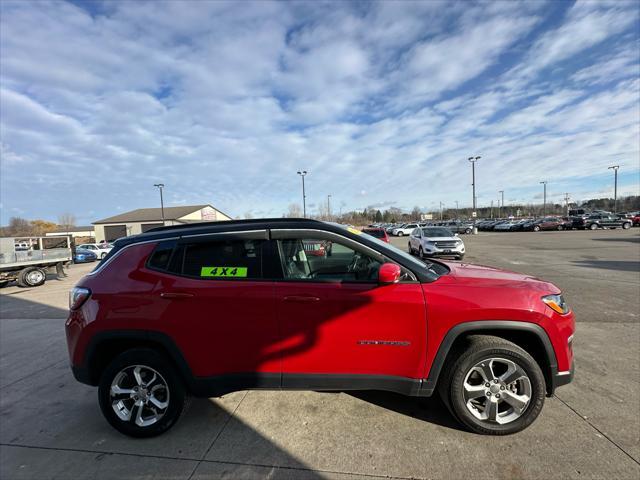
236 259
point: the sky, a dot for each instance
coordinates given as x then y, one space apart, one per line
381 103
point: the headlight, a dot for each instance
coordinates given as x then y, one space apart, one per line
556 303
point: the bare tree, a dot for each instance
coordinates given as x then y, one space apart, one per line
67 220
294 211
19 227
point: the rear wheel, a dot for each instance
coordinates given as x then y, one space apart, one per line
400 234
536 228
559 227
31 277
593 226
421 252
493 386
141 394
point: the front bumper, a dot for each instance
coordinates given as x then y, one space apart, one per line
558 379
433 250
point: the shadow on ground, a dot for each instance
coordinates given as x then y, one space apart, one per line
634 239
619 265
430 410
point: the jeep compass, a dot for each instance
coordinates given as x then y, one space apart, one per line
210 308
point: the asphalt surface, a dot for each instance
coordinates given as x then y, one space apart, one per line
51 426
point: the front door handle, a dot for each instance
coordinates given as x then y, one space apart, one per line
176 295
301 299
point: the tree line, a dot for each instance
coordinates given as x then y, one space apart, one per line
21 227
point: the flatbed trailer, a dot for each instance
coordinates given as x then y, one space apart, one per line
29 266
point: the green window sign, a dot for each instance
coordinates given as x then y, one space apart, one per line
218 272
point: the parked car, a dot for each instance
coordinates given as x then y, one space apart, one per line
546 223
82 255
578 221
435 241
208 309
405 229
378 233
100 249
636 219
458 227
314 248
505 226
600 220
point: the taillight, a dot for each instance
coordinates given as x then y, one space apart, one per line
77 296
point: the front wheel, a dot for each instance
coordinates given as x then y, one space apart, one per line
593 226
400 234
140 393
626 226
559 228
536 228
493 386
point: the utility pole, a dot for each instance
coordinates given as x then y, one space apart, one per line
566 201
615 187
160 187
501 206
473 161
303 173
329 207
544 202
441 205
457 216
491 211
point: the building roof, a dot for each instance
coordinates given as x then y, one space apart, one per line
152 214
82 228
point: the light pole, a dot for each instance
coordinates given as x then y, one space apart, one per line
544 201
160 187
501 206
303 173
441 205
457 209
615 187
566 201
473 161
329 207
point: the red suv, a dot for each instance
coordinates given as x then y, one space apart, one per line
212 308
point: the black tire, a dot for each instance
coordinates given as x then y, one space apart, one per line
559 228
593 226
400 234
31 277
467 231
420 252
626 226
475 349
410 249
177 395
459 257
536 228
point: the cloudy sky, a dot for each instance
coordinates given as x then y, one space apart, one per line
381 103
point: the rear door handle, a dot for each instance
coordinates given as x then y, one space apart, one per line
176 295
301 299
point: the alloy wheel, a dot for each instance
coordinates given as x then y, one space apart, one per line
497 390
139 394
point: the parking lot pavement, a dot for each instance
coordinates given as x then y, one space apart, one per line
51 426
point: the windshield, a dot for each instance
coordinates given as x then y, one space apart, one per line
437 232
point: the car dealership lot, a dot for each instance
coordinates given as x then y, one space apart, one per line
51 426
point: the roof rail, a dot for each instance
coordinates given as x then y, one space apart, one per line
251 221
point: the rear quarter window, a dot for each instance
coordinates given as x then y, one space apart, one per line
223 260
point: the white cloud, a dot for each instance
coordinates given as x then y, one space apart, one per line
224 102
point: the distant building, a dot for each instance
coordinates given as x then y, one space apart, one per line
144 219
75 232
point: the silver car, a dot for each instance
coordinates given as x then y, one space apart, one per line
436 241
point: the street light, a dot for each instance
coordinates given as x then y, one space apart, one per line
329 207
473 161
441 205
160 187
615 188
501 192
303 173
457 209
544 201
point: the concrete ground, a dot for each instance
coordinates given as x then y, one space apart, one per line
51 426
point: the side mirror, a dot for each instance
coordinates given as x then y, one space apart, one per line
389 273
